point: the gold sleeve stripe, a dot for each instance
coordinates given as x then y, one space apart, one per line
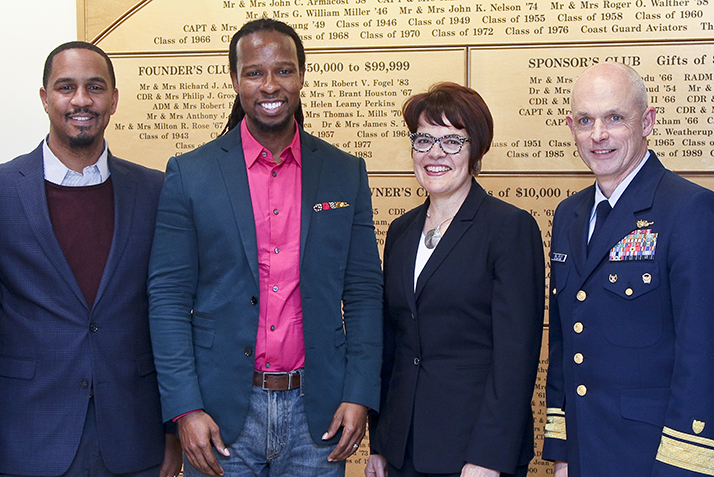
555 428
688 437
555 411
686 456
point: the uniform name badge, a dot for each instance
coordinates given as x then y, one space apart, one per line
638 245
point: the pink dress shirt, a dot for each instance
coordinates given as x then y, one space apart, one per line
276 196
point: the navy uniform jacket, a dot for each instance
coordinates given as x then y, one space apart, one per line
631 381
460 353
204 285
54 348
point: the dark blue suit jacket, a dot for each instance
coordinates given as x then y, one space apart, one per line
640 403
461 353
204 285
49 356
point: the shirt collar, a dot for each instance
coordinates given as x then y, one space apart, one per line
56 171
620 189
253 150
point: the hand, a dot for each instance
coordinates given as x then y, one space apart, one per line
353 419
376 466
561 469
197 432
171 466
471 470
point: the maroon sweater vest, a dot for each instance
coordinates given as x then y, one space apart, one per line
83 221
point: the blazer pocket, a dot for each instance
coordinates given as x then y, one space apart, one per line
145 364
17 368
645 405
203 338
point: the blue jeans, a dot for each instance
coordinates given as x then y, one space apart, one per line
275 442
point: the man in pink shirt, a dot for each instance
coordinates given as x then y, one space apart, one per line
265 283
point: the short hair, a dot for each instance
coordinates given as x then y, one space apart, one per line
463 107
255 26
76 45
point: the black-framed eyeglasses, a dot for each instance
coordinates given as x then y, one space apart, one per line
450 144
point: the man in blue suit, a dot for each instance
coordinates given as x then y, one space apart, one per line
78 389
631 374
265 284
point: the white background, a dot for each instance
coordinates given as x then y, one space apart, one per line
29 30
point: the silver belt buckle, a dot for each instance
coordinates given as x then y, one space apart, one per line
262 384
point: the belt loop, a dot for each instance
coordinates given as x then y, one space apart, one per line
302 380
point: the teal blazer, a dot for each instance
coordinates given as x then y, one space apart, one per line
204 287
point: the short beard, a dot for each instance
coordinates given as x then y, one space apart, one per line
83 141
273 128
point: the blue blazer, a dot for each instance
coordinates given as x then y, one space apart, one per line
204 285
640 401
461 352
53 347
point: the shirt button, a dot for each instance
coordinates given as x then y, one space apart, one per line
277 250
267 365
417 361
93 328
582 390
272 328
581 296
275 288
578 327
253 300
275 174
276 211
83 384
264 154
248 351
578 358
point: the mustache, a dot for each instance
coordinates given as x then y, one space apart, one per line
82 111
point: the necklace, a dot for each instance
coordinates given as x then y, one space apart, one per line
433 236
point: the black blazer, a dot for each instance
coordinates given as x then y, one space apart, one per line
461 354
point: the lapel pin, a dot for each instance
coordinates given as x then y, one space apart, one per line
613 278
647 278
643 223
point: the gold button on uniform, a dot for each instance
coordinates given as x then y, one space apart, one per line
578 358
555 291
578 327
581 296
582 390
629 292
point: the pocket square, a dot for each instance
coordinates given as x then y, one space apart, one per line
329 205
638 245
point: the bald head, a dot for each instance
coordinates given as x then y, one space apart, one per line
628 79
610 122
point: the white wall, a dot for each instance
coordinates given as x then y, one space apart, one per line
29 30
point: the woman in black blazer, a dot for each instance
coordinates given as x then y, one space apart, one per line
464 293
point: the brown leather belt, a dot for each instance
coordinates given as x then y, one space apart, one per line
277 381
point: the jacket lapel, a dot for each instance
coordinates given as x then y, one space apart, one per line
232 166
407 246
124 201
311 167
31 191
578 234
461 223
